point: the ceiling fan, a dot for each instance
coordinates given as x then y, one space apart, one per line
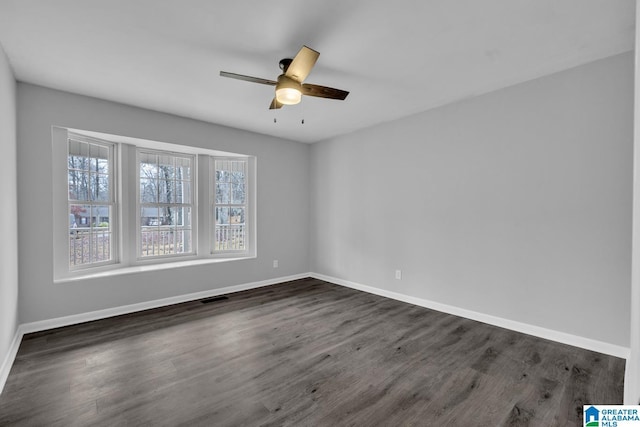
290 86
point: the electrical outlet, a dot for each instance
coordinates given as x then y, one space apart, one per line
399 274
275 263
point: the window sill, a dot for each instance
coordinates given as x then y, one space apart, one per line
119 271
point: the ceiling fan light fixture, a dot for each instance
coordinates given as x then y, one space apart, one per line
288 91
288 96
289 88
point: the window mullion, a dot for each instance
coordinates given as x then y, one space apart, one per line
128 207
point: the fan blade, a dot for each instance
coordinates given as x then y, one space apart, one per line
302 64
247 78
275 105
323 92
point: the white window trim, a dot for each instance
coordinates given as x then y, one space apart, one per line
113 202
247 206
126 219
193 205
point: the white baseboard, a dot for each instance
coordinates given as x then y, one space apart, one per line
629 393
7 363
549 334
44 325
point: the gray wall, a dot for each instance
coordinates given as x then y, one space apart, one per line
515 204
282 208
8 212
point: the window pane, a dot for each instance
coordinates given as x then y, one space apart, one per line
74 162
101 245
166 191
167 215
103 166
148 158
90 234
178 216
149 217
180 234
99 188
236 216
78 148
237 175
101 233
231 236
74 147
238 193
165 185
149 242
79 216
78 184
148 191
79 243
148 166
183 191
230 205
169 235
183 168
78 163
98 151
89 183
183 241
99 156
222 193
101 217
230 229
166 167
222 215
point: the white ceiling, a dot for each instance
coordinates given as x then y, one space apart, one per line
395 57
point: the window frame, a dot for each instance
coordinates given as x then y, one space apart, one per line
193 205
126 210
112 202
213 205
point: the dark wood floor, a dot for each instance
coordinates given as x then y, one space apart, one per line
301 353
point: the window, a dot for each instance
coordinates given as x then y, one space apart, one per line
90 203
230 205
122 202
166 204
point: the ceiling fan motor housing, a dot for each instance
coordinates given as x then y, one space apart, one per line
284 64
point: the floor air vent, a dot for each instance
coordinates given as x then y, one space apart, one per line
213 299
